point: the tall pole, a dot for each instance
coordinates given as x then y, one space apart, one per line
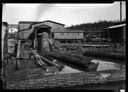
4 52
120 11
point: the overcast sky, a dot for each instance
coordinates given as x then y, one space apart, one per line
68 14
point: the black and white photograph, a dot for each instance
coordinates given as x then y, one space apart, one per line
64 46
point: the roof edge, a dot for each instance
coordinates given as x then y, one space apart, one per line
41 22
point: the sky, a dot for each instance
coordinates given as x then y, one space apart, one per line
68 14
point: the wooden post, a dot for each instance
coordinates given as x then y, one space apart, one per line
100 36
17 62
118 47
4 50
36 43
35 40
45 47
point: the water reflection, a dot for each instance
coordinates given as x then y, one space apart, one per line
106 65
68 69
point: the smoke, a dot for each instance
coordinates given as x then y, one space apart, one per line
42 8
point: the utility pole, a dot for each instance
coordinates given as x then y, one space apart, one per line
120 11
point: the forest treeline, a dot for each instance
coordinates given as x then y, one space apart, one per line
96 26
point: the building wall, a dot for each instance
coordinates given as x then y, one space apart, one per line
64 35
23 26
26 25
11 45
25 33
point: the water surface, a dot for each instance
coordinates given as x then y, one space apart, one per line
103 66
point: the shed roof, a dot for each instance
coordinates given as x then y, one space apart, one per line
116 26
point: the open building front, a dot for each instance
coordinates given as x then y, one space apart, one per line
117 35
36 32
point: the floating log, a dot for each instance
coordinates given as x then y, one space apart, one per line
70 59
117 56
78 56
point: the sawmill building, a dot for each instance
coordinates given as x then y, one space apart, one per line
29 30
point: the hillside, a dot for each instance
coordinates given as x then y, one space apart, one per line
100 25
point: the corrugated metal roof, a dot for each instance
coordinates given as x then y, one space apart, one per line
115 26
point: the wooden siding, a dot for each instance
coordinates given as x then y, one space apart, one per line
11 45
26 32
68 35
23 26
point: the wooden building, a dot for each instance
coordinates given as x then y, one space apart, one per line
33 31
68 35
28 27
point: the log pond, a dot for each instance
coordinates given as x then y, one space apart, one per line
103 66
